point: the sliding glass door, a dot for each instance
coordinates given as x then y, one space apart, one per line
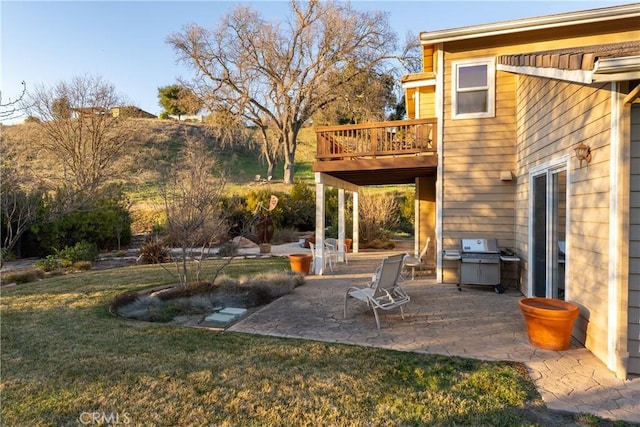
548 213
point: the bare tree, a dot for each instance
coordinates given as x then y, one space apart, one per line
11 109
192 188
21 193
277 75
79 132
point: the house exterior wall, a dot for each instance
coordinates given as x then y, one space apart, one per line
634 245
427 205
553 117
475 202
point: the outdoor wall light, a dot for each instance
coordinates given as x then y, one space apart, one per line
583 152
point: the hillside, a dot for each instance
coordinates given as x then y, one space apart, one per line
155 141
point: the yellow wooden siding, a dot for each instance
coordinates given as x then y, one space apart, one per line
553 117
427 102
634 246
409 102
428 59
476 203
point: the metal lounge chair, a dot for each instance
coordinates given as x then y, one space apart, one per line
383 293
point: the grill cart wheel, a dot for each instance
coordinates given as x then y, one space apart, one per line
499 289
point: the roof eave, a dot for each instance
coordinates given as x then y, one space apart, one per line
531 24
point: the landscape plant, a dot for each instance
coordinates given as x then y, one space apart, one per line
378 215
192 188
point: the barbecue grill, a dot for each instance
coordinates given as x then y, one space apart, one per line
478 263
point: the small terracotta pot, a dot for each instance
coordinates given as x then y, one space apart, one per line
549 321
347 243
300 263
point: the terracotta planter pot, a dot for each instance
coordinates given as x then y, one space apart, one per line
300 263
347 243
549 321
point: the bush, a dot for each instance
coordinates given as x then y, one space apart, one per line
106 222
247 292
49 263
26 276
228 249
82 265
81 251
154 252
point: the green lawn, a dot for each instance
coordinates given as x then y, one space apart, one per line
67 361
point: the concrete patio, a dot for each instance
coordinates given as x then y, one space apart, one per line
476 323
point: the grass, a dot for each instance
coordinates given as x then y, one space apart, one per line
66 359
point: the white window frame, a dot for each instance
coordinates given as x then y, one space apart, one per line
558 165
490 87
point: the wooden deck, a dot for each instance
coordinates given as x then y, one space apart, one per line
394 152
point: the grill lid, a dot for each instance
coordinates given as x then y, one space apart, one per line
480 246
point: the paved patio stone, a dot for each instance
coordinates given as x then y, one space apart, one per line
474 322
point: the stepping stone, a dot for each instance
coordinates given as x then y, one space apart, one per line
220 318
233 310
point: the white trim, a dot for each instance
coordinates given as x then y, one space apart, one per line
355 245
490 63
323 178
419 83
556 165
616 77
341 226
531 24
617 65
416 104
578 76
318 262
615 218
439 173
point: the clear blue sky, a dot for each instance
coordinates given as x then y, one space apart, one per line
45 42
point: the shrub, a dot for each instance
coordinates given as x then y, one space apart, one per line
81 251
49 263
25 276
228 249
154 252
105 222
247 291
82 265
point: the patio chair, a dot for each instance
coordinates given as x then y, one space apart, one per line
327 261
418 262
339 252
383 293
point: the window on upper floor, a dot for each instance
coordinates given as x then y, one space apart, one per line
474 88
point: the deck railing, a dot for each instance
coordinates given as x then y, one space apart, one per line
371 140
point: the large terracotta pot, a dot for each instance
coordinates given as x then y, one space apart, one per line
300 263
549 321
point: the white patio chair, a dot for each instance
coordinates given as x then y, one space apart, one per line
340 252
419 262
331 253
383 292
326 260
